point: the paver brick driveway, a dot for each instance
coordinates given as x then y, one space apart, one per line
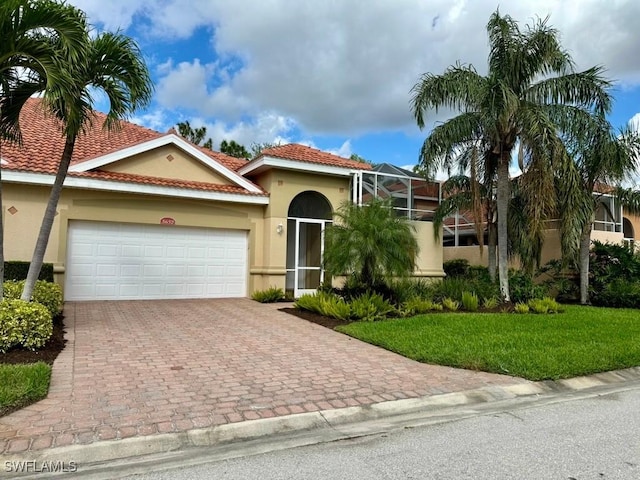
147 367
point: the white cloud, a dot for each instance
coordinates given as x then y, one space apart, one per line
347 67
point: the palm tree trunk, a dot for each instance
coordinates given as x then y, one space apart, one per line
47 221
585 245
502 207
492 245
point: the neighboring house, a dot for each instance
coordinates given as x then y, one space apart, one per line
147 215
612 224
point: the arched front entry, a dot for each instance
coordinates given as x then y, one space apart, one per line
309 214
627 229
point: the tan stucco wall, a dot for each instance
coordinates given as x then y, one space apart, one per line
167 162
552 248
283 185
429 261
21 228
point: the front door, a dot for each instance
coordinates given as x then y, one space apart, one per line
304 261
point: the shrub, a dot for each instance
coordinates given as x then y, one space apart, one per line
450 304
45 293
29 322
405 289
309 302
453 288
417 306
521 308
458 267
469 301
620 293
370 307
490 303
18 271
335 307
523 288
537 305
270 295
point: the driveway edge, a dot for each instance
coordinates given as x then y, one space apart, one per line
341 420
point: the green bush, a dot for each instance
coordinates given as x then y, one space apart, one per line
490 303
521 308
620 293
270 295
335 307
469 301
18 271
405 289
417 306
28 322
537 305
450 304
309 302
370 307
523 288
45 293
458 267
453 288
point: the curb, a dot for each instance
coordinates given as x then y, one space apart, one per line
86 456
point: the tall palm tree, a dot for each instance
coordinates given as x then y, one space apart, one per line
114 64
370 242
599 157
37 35
530 81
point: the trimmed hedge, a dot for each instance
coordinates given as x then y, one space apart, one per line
45 293
27 324
15 270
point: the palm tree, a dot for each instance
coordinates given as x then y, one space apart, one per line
530 84
113 63
35 35
370 242
600 157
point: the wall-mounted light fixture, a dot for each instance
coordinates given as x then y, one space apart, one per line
279 229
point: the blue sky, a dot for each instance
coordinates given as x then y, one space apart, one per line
337 75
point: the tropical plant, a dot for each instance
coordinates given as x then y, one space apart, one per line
234 149
521 308
469 301
270 295
37 37
371 243
370 307
195 135
530 87
601 157
114 64
490 303
417 306
450 304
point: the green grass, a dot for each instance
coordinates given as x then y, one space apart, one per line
21 385
580 341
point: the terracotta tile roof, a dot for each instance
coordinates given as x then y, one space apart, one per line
302 153
43 143
163 182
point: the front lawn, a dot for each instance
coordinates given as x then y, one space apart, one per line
21 385
580 341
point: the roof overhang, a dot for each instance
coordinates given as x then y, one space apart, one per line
30 178
169 139
264 163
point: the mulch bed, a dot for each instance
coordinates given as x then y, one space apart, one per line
315 318
46 354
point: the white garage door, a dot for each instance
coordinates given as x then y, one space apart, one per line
119 261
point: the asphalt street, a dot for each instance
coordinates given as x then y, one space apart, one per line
589 438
